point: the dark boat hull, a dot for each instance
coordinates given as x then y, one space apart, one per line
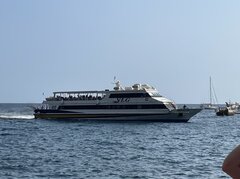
181 115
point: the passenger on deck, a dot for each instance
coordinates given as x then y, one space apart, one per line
231 164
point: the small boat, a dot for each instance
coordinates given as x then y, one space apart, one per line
140 102
229 110
209 106
224 111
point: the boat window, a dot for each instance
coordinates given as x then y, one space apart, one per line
129 95
170 106
151 106
155 94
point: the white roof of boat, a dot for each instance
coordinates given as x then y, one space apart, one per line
117 88
56 92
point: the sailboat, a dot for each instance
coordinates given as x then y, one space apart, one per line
212 98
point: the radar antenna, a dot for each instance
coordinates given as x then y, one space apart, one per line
117 84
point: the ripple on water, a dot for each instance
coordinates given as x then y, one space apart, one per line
76 149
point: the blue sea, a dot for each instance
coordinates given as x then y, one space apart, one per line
37 148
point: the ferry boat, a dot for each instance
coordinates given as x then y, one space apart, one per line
140 102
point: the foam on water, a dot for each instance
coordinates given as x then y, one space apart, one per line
16 111
15 116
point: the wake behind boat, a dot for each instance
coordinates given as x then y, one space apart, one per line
135 103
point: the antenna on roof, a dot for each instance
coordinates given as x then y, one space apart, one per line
114 80
117 84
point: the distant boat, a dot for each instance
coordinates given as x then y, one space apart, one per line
212 98
229 110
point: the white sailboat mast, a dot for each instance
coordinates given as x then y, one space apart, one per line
210 90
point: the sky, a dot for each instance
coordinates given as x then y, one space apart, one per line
173 45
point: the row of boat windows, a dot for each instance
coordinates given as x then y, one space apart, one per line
72 98
153 106
93 97
129 95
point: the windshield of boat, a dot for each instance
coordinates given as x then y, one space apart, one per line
155 94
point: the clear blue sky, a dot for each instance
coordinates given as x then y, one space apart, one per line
174 45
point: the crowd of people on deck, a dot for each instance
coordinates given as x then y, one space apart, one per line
75 97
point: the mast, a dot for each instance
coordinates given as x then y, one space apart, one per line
210 90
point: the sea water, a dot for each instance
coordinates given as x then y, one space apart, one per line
37 148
